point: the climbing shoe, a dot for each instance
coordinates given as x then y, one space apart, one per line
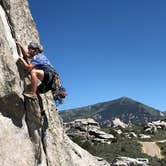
30 95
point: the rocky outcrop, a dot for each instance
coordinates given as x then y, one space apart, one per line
88 130
143 136
130 135
127 161
31 131
82 124
152 127
118 123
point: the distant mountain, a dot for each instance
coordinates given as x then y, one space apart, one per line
128 110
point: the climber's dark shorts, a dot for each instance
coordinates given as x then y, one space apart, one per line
47 82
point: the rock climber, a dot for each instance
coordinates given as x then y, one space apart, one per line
39 68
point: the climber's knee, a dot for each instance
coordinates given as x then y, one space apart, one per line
38 74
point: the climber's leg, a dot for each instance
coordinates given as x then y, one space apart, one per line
36 75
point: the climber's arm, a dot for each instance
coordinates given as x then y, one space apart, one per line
27 66
24 51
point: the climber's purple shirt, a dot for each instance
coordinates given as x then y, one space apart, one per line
40 61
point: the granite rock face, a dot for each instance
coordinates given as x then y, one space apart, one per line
27 137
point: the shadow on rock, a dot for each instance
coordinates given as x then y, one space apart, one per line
12 106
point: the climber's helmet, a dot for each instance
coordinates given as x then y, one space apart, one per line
35 46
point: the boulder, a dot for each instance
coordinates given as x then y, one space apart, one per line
100 134
88 129
126 161
82 124
152 127
88 122
118 123
160 124
143 136
118 131
130 135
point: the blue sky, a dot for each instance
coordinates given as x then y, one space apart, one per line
107 49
